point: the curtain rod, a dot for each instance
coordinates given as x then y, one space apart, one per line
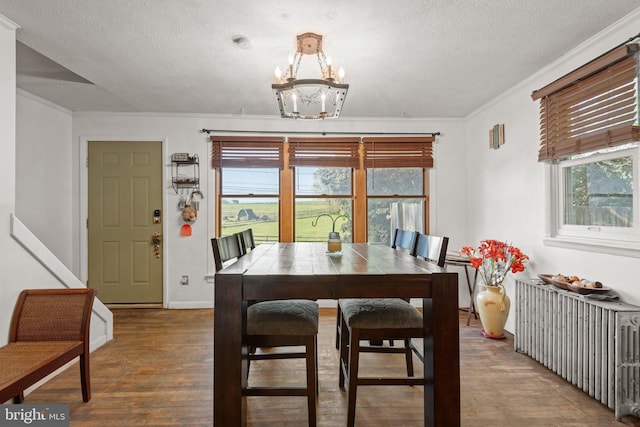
629 40
208 131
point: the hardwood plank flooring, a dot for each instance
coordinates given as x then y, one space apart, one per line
158 371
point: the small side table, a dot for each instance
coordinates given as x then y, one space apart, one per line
454 259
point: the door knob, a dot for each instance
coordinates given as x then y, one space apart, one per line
156 239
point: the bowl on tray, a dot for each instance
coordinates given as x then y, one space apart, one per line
575 286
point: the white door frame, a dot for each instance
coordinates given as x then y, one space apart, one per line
84 210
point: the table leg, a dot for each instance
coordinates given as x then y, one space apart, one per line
229 406
442 354
427 351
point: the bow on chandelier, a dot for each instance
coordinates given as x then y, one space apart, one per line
309 99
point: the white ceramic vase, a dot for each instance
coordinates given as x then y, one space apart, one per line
492 303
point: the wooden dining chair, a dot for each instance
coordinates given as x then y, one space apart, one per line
380 319
225 249
432 248
279 323
404 239
247 242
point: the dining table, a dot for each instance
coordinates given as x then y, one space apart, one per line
305 270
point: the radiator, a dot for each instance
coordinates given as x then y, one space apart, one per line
594 345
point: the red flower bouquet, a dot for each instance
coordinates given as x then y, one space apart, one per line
494 259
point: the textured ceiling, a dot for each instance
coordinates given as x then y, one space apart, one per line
404 58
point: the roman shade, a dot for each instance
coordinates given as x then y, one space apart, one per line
398 152
593 107
326 152
247 151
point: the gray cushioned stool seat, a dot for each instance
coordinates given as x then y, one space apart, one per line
285 317
380 313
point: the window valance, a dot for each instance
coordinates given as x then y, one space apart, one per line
327 152
247 151
593 107
374 152
398 152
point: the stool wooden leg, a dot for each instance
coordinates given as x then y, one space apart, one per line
315 351
343 361
312 380
352 388
408 354
338 326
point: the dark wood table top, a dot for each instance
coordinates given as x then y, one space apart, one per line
287 269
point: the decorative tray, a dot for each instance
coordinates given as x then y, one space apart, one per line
547 278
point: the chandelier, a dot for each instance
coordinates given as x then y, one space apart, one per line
310 99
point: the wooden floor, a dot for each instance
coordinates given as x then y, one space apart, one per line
158 371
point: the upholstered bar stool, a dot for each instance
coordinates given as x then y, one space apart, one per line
403 240
279 323
375 319
379 319
284 323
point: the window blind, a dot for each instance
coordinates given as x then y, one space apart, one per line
247 151
398 152
593 107
326 152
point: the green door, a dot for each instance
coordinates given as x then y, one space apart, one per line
125 196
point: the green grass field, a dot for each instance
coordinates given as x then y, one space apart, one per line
266 228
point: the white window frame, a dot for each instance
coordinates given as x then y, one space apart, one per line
610 240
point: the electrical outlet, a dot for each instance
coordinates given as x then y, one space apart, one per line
184 280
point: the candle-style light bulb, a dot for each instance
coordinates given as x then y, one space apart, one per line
341 74
278 74
329 68
323 97
295 102
291 66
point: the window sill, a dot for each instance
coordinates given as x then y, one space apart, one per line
611 247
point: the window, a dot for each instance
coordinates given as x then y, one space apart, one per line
589 129
248 185
323 196
323 186
597 196
395 199
250 199
396 183
300 189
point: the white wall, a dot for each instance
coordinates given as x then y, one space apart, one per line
43 155
506 186
16 265
192 255
23 256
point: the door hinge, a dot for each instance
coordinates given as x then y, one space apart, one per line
87 161
87 223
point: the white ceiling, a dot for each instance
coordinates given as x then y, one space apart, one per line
403 58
